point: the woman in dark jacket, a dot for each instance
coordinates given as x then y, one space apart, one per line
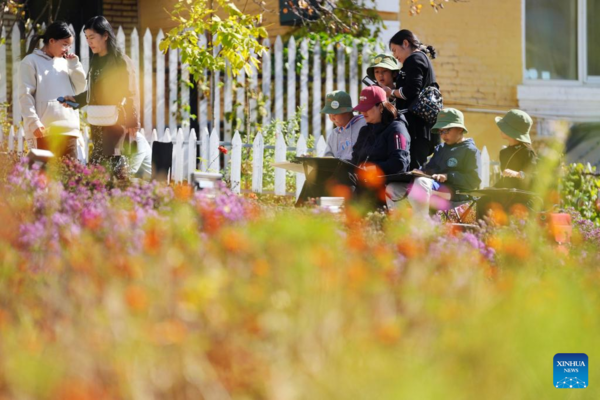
416 74
383 145
111 81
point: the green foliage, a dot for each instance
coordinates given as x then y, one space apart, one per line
580 189
350 17
237 34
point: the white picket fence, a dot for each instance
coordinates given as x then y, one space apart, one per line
161 89
279 84
204 155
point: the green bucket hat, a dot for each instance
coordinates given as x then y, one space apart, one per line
382 61
449 118
516 124
337 102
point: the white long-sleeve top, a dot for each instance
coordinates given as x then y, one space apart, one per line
43 79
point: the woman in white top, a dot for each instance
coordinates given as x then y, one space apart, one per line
45 75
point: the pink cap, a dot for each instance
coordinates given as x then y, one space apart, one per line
369 97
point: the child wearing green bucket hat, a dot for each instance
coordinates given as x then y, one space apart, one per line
454 166
384 69
338 106
517 162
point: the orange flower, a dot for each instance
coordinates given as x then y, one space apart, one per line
409 247
388 332
151 241
77 390
371 176
183 192
169 332
261 267
498 214
356 241
136 298
340 191
234 241
357 273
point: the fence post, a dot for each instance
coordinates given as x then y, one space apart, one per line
485 168
148 81
172 107
11 140
214 164
153 137
301 149
241 98
236 163
20 137
16 60
354 78
258 152
191 156
204 151
321 147
84 51
178 159
329 86
304 88
135 56
366 61
280 156
341 67
184 96
202 100
227 102
266 80
253 83
121 39
3 80
278 79
316 105
291 75
216 103
160 84
86 145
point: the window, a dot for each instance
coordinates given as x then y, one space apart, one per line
593 38
562 40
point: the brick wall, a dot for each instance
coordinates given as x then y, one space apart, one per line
122 13
479 63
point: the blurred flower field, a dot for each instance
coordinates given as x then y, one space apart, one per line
156 292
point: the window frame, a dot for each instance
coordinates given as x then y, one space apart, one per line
582 49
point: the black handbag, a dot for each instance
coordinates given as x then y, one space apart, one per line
428 103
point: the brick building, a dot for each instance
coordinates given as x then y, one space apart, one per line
539 55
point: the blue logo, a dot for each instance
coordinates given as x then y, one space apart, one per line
452 162
571 371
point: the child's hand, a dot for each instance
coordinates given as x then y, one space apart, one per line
440 177
509 173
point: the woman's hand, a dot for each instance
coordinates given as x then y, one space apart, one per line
509 173
70 56
39 132
68 98
388 91
440 177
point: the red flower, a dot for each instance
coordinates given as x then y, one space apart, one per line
222 149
